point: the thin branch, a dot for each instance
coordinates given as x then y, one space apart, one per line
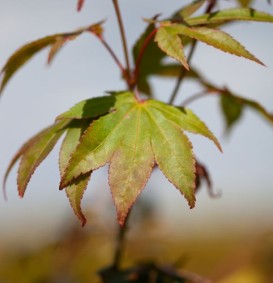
211 5
142 52
195 97
124 41
120 243
115 58
182 75
113 54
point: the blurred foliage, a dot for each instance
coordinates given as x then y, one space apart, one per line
154 256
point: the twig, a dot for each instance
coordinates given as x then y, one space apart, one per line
124 42
182 75
142 52
112 53
120 243
195 97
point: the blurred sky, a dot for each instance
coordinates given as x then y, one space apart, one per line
83 69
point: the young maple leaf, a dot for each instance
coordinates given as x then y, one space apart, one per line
132 138
128 134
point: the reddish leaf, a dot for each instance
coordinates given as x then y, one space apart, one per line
202 174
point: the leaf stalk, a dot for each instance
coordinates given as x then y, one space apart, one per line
114 56
120 243
182 75
142 52
127 72
211 5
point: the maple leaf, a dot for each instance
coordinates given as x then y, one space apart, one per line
169 40
188 10
171 34
132 138
35 150
128 134
76 189
233 106
230 15
26 52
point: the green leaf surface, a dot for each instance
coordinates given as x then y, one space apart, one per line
215 38
232 110
169 42
34 152
185 119
175 159
234 105
132 162
132 137
189 10
228 15
90 108
26 52
77 188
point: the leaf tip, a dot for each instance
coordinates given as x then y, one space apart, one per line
4 187
192 205
122 216
5 192
259 62
2 84
83 221
21 194
62 185
80 5
191 202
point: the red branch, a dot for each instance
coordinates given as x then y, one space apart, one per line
142 52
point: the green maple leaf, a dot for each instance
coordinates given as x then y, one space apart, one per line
131 135
188 10
35 150
230 15
172 33
26 52
77 188
169 40
233 107
132 138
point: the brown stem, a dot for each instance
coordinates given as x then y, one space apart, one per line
120 243
195 97
183 73
142 52
124 42
113 54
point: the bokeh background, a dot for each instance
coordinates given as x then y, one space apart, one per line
226 239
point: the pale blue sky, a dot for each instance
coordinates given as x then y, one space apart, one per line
37 94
